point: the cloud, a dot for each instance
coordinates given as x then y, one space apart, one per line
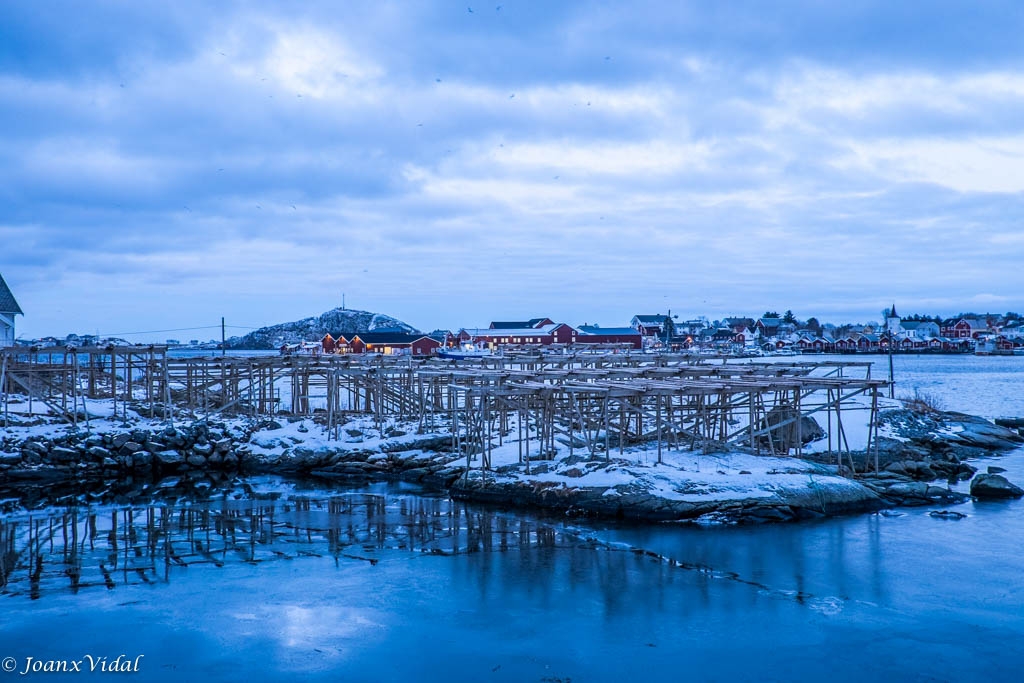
581 159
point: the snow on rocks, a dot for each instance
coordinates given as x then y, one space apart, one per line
684 485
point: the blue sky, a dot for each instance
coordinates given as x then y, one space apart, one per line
164 164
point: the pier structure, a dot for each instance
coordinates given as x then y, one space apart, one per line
596 411
593 402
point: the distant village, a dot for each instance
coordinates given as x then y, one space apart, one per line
770 334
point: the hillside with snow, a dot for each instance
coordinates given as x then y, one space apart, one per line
336 321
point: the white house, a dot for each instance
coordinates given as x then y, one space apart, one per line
8 309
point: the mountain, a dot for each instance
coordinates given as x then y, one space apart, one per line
337 321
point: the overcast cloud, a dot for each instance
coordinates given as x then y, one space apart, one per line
162 165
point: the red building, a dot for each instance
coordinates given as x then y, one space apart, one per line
386 343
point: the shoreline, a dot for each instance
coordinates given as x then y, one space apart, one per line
116 459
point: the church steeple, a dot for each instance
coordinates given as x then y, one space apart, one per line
892 313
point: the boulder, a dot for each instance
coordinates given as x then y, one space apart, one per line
196 460
946 514
120 440
129 447
787 430
63 455
203 449
98 453
994 486
35 447
169 458
992 469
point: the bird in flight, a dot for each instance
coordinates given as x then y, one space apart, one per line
470 10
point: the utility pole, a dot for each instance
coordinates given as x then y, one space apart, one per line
223 341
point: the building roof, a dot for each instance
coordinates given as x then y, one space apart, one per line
517 324
658 319
594 329
388 337
8 304
509 331
770 322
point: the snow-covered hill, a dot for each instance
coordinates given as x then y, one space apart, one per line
335 322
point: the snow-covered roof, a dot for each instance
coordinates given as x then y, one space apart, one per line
594 329
511 331
8 304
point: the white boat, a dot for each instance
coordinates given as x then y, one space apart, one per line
465 351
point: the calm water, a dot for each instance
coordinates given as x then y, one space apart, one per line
386 583
990 386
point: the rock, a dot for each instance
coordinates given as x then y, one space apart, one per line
196 460
110 463
946 514
63 455
994 486
120 440
925 473
202 449
129 447
573 473
142 459
222 445
169 458
1010 422
992 469
785 430
35 447
98 453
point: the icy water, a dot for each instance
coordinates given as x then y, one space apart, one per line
989 386
388 583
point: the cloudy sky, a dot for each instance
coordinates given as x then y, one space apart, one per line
164 164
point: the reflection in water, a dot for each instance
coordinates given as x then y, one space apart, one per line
76 549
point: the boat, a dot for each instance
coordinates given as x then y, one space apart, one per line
465 351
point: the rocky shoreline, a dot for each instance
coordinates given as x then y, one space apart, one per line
918 451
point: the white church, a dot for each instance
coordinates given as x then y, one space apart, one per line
8 309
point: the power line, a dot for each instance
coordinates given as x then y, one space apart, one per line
177 329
